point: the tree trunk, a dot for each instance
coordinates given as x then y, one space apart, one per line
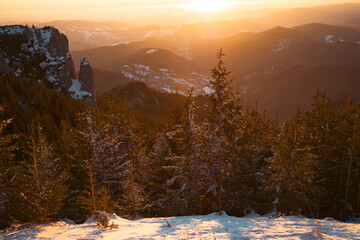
220 186
358 203
196 188
349 168
308 203
348 180
92 191
133 207
91 175
37 178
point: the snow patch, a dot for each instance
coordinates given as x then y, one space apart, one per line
328 38
76 91
283 44
208 90
167 89
18 72
212 226
151 51
46 35
12 30
84 62
51 79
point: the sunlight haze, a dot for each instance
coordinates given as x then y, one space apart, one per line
128 11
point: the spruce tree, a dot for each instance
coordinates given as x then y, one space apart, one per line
349 134
194 163
321 126
38 188
293 166
7 155
220 127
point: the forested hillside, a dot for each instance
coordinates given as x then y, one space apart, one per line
62 159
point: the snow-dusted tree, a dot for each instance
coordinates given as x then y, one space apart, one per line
6 155
194 163
178 153
160 170
293 167
71 149
133 160
322 136
220 129
349 134
38 187
249 148
126 159
99 154
96 200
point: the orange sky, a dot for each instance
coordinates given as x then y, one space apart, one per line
128 10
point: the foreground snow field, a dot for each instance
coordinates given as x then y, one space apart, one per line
194 227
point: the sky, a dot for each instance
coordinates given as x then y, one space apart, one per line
133 10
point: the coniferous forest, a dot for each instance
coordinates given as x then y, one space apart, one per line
60 158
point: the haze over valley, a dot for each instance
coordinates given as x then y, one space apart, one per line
180 119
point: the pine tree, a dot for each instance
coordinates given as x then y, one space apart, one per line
38 188
166 179
320 123
126 159
349 131
6 156
293 166
194 164
250 148
220 129
134 201
71 148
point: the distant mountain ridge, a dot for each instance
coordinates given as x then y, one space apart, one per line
158 68
261 57
327 14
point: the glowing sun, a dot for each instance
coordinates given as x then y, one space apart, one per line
209 5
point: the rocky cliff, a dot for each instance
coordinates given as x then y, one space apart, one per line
86 79
43 54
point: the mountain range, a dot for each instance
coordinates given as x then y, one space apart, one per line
276 62
254 59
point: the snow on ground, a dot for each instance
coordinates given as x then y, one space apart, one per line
211 226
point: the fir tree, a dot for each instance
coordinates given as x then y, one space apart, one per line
349 129
320 123
7 155
220 129
39 184
293 167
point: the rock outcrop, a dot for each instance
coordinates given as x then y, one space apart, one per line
86 79
41 54
4 67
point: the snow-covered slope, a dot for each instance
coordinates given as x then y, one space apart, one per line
194 227
166 80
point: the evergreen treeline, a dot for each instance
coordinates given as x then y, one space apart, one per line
61 159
